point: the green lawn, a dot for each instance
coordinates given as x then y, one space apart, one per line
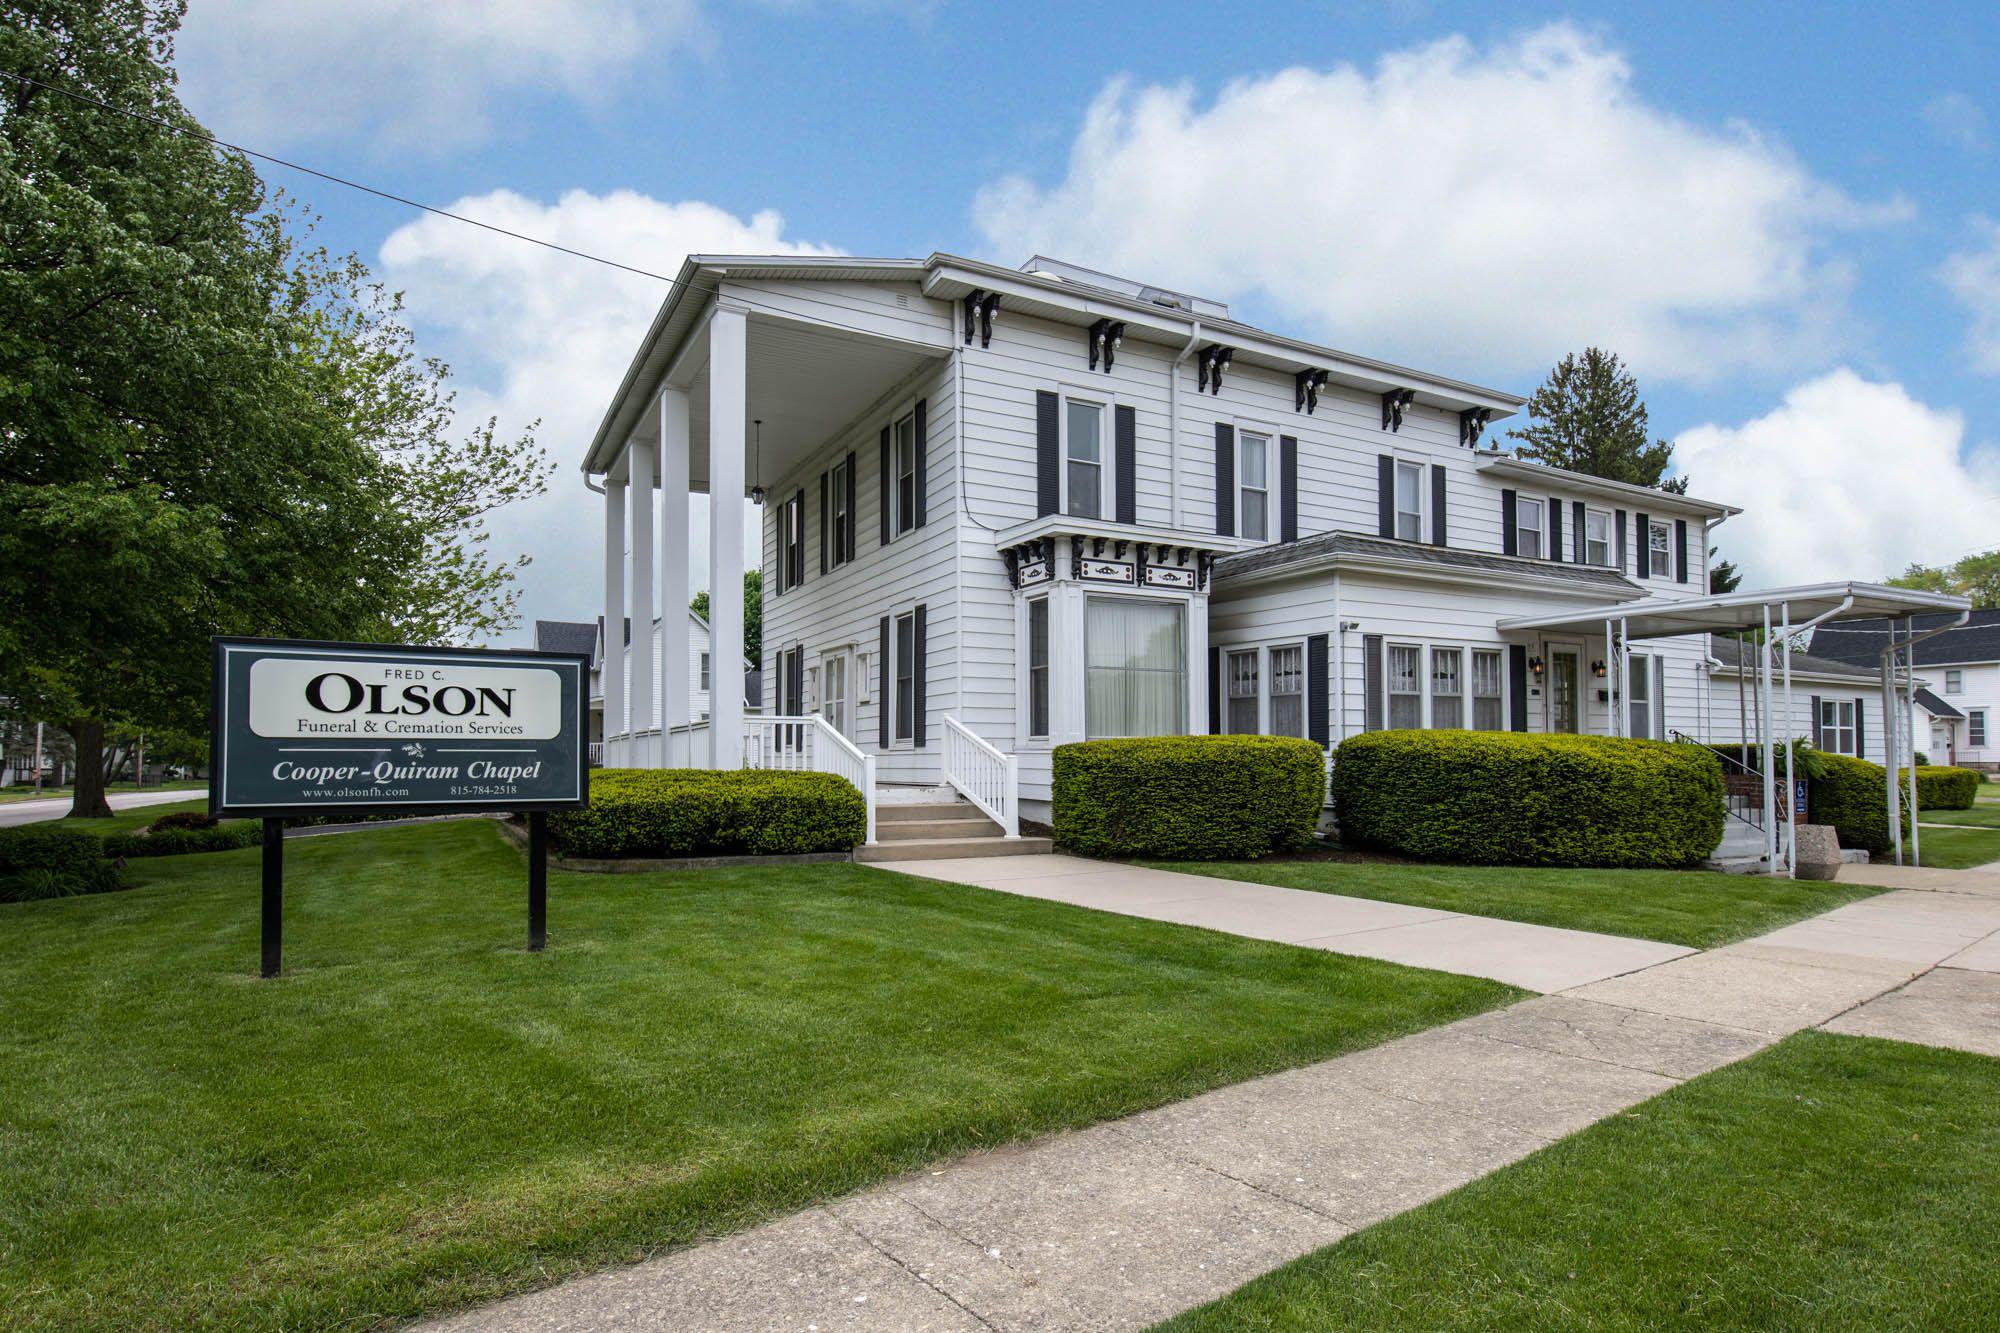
1830 1182
1979 816
131 821
1958 848
422 1114
1697 908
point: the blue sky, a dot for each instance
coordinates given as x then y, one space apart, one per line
1789 230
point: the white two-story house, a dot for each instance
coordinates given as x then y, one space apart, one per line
1005 509
1961 666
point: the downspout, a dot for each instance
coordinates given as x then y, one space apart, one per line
1174 422
593 485
957 536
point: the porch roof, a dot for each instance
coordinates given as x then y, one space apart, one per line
1353 550
1662 617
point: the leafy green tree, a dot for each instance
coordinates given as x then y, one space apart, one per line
1976 576
753 614
1588 417
207 425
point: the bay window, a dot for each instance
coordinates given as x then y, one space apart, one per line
1135 667
1487 711
1038 667
1447 688
1405 683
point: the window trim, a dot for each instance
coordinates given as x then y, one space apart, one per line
1029 606
1610 540
702 671
1421 693
1184 707
1836 728
1397 512
1660 559
1230 657
1954 680
1472 695
903 515
1539 529
894 691
1977 736
836 515
1431 695
1107 474
1268 436
823 678
1270 680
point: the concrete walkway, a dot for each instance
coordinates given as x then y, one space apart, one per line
1537 958
55 807
1122 1224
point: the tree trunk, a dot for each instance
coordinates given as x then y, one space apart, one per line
89 802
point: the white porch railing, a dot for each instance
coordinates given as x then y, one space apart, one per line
809 745
983 775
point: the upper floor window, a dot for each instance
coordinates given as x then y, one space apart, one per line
1596 537
792 530
840 519
903 459
1083 454
1659 547
1487 712
1254 486
1954 682
1529 527
1410 501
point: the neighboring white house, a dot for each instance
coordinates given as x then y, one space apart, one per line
1836 705
1004 509
1962 669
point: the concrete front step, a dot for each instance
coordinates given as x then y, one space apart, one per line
903 830
938 849
904 814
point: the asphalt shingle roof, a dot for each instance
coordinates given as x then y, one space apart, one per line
1862 641
1935 706
1725 650
1330 546
565 636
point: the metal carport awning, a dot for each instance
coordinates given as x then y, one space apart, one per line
1777 615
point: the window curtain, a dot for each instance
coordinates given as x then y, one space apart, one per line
1135 668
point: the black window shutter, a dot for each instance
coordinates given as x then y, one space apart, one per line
825 522
853 514
1371 682
1860 732
919 680
1288 487
1517 686
886 487
1621 541
1048 460
1225 479
1385 495
1437 504
1642 556
1680 550
923 448
777 514
1125 445
1510 542
1316 700
799 550
1215 691
1577 539
1555 529
1815 731
885 672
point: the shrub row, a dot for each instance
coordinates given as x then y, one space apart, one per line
1851 795
1504 798
46 861
180 839
1940 787
1198 797
678 812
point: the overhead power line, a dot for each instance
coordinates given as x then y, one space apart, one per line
407 202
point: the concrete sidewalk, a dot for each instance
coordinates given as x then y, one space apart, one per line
1537 958
1122 1224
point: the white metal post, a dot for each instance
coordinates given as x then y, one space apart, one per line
1908 754
676 708
1764 729
728 423
644 693
614 610
1791 774
1891 721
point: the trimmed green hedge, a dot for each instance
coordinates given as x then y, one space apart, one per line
47 861
674 812
182 839
1188 797
1852 797
1505 798
1941 787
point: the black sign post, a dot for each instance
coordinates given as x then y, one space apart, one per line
306 728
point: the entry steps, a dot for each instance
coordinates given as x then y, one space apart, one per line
936 830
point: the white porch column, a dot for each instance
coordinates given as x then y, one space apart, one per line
728 416
613 675
674 590
641 686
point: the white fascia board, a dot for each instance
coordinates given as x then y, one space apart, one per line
1418 571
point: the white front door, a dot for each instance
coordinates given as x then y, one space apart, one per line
833 697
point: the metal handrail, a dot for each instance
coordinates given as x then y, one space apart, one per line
1745 807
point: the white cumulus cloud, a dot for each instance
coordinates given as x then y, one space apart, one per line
424 75
536 334
1847 478
1455 205
1973 276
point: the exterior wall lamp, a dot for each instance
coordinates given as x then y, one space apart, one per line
1535 665
1597 668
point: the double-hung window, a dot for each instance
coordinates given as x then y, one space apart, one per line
1135 667
792 522
1038 667
1975 728
1659 547
1254 486
1083 455
1410 501
1639 686
1288 691
1447 688
1487 711
1596 537
903 460
840 523
1836 725
704 673
1405 684
1530 528
906 676
1954 682
1242 665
